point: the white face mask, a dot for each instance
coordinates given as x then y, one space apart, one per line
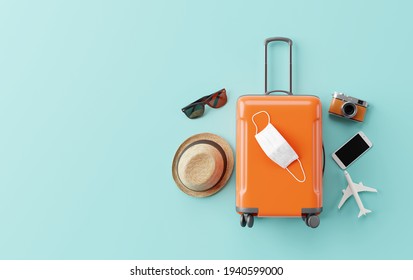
276 147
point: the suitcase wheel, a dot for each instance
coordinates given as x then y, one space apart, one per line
312 221
247 219
243 221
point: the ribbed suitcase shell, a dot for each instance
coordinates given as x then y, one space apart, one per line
262 187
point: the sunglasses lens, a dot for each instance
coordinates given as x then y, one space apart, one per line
219 99
195 111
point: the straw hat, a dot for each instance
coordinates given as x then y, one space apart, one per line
202 164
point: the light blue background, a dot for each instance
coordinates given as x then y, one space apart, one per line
90 98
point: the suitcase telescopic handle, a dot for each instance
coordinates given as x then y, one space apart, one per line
290 43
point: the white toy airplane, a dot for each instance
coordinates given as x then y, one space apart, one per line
354 189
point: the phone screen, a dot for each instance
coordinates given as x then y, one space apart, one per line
352 150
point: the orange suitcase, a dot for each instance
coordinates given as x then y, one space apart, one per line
263 188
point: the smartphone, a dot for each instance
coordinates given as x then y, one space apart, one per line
352 150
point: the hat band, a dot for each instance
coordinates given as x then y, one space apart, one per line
215 145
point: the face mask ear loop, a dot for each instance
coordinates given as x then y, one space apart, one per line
302 169
252 118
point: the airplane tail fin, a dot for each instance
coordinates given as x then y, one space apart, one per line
364 212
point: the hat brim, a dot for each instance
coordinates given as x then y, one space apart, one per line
227 172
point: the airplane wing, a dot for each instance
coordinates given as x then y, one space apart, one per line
362 188
346 194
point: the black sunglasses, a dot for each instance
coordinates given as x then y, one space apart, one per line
197 108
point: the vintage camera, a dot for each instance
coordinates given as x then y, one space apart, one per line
348 107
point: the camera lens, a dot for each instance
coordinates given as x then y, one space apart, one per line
349 110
